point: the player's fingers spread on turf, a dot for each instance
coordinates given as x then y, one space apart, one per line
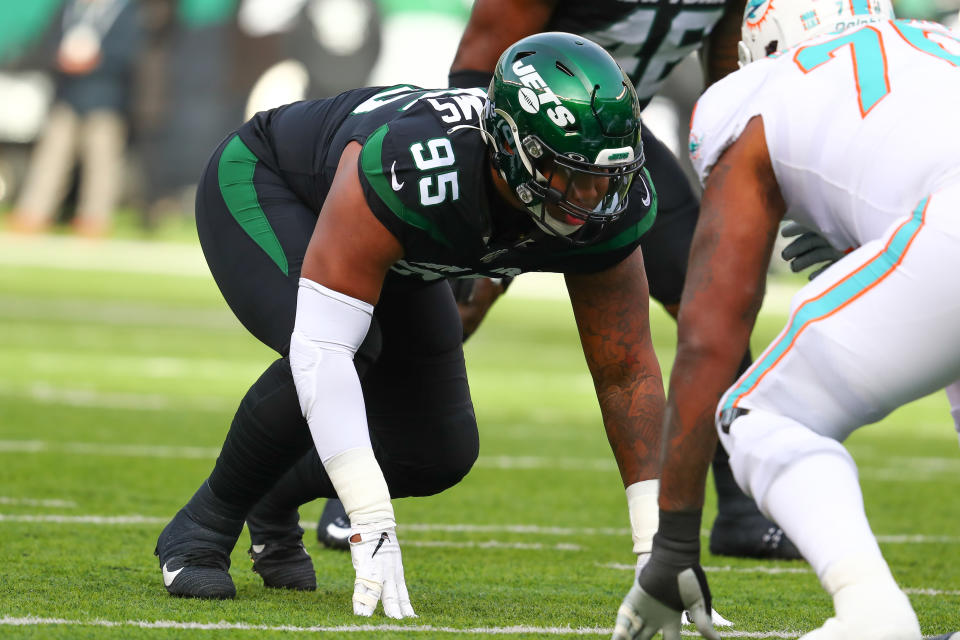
623 630
700 617
391 600
628 623
648 632
366 594
405 607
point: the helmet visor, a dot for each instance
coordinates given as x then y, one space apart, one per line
586 191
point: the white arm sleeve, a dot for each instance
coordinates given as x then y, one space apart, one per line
328 330
953 395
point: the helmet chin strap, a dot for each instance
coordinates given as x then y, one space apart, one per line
551 225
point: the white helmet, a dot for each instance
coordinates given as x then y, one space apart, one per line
777 25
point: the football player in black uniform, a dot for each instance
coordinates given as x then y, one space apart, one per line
330 226
647 39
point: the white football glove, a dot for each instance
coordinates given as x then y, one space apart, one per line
376 559
641 615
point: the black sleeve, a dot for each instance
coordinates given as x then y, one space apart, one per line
467 78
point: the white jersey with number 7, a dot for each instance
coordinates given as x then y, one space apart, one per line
860 125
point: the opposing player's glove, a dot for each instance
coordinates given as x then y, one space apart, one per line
376 559
808 249
670 582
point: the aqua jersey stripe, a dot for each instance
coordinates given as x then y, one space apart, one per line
860 7
235 176
833 299
628 235
372 166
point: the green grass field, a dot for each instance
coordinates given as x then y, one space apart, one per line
120 368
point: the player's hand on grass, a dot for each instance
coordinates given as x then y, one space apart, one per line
376 559
808 249
642 615
670 582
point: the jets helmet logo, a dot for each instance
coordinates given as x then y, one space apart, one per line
535 93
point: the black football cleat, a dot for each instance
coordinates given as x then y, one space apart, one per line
284 565
751 536
333 530
277 551
195 560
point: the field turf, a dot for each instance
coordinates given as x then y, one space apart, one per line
120 368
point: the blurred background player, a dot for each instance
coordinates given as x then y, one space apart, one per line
648 41
844 134
93 52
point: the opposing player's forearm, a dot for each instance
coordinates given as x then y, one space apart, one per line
689 435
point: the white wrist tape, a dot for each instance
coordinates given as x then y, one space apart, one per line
644 513
328 330
359 482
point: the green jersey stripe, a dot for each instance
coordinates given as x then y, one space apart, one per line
235 176
372 167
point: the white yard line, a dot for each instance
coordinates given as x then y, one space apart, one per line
98 520
522 529
31 621
945 467
489 544
724 569
75 311
42 393
102 449
129 256
33 502
49 394
931 592
540 462
530 529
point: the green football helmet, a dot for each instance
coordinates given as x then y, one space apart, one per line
561 112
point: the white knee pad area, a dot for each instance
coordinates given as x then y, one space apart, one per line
762 445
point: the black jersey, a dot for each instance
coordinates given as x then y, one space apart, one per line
647 37
424 170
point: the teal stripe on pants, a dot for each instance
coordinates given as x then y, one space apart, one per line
831 300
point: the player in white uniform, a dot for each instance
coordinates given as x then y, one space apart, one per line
851 134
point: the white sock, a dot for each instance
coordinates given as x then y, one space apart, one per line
818 503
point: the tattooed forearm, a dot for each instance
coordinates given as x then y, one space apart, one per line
611 310
632 417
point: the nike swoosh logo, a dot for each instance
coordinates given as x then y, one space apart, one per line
170 576
337 532
393 178
647 198
383 538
